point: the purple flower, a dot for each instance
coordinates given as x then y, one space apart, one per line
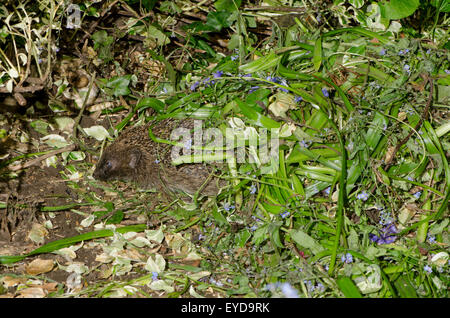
325 92
154 275
447 71
253 189
218 74
234 57
206 80
253 88
387 235
273 79
194 86
428 269
417 194
382 52
298 99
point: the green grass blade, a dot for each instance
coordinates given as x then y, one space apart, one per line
317 56
348 288
56 245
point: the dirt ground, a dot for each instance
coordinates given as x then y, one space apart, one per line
25 224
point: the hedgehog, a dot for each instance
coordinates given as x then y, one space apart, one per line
136 157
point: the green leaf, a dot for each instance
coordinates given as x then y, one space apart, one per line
119 85
218 20
348 288
116 218
404 288
261 64
255 117
398 9
441 5
227 5
317 57
40 126
150 102
306 241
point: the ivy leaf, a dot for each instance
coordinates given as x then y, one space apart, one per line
119 85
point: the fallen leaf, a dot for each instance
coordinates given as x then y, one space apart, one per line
9 281
39 266
32 292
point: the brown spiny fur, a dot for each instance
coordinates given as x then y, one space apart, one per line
134 156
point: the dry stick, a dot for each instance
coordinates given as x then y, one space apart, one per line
280 9
67 148
43 157
419 123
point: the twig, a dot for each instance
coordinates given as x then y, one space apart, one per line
43 157
280 9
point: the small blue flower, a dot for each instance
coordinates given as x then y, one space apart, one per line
157 161
309 285
417 194
320 288
327 190
406 68
253 189
428 269
325 92
304 143
447 71
154 276
298 99
228 207
431 239
347 258
382 52
362 196
285 214
234 57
